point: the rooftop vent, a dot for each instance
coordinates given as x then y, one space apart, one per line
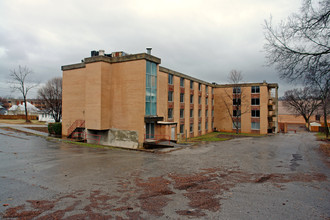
149 50
101 52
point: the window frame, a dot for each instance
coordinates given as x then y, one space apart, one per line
170 97
182 82
254 113
255 89
170 79
255 127
181 97
181 113
255 100
170 110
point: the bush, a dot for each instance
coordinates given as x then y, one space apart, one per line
55 128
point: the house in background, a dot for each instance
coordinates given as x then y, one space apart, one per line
126 100
291 121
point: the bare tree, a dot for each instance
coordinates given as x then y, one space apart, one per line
302 102
234 101
51 94
20 82
300 48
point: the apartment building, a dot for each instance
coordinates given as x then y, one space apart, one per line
253 107
126 100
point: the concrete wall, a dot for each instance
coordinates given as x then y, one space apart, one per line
113 137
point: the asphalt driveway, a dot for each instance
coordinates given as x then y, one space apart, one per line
273 177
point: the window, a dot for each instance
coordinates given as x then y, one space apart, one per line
212 125
170 79
181 128
255 113
206 125
237 113
199 86
236 124
199 100
191 99
212 113
255 101
199 126
255 125
151 88
170 96
206 113
191 113
206 90
191 127
236 90
170 113
199 112
206 100
182 97
317 117
181 113
191 84
236 101
182 82
255 89
212 101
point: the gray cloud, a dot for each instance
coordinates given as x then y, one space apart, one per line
205 39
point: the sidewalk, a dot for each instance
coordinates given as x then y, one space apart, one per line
24 128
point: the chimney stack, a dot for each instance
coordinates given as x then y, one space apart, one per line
149 50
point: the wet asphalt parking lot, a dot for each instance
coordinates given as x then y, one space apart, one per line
272 177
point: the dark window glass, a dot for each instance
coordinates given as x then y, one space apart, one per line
181 128
181 113
170 79
255 89
236 101
255 101
182 97
236 90
182 82
255 113
170 113
170 96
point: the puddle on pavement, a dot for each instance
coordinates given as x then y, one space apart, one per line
293 162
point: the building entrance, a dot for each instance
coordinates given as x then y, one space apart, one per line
150 130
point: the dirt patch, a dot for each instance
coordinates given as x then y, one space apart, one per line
325 148
153 198
41 129
204 190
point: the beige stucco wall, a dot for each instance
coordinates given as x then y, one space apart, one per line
106 96
73 97
223 120
264 97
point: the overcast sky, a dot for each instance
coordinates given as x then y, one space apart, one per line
204 39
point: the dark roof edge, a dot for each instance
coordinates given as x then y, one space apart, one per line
175 73
270 85
106 59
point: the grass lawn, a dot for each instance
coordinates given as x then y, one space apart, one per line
20 121
219 136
